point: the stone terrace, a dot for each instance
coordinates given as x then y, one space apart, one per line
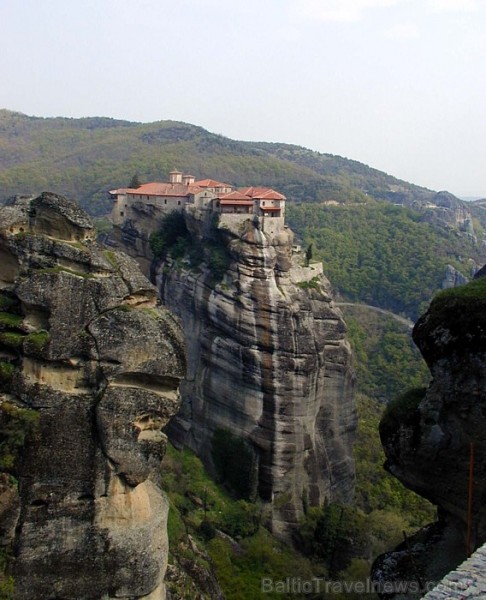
467 581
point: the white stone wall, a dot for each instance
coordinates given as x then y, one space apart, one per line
298 273
272 225
118 211
234 222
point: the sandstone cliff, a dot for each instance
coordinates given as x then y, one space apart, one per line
268 362
427 435
87 351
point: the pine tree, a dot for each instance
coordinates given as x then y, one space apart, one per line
135 182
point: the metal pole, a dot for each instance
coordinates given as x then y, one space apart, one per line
470 499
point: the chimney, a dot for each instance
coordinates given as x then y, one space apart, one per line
188 179
175 177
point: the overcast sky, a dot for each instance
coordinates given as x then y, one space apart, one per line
397 84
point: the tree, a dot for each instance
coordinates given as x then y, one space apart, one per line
308 255
135 182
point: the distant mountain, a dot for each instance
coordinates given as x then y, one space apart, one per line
83 158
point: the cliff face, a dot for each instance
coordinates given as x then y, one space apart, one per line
427 443
268 362
86 351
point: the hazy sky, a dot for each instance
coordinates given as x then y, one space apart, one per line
397 84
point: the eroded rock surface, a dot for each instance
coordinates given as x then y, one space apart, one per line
86 348
268 361
429 447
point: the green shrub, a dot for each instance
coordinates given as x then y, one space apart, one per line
335 534
207 530
241 519
15 425
403 409
218 260
180 247
311 284
172 228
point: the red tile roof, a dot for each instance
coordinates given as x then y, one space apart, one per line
262 193
235 196
211 183
164 189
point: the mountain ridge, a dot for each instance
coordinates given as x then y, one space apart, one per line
98 153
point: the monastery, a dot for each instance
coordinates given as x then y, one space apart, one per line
182 192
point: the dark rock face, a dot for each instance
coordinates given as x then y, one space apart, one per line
100 364
268 361
429 450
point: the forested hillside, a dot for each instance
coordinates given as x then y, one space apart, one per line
84 158
382 254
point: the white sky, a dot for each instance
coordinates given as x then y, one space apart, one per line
397 84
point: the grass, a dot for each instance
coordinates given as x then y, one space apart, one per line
12 339
111 257
38 339
10 320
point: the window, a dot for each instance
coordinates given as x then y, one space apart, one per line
165 200
122 213
178 202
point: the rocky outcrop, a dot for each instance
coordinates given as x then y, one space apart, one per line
428 437
88 355
453 278
268 362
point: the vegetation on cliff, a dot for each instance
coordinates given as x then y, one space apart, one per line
174 239
471 296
